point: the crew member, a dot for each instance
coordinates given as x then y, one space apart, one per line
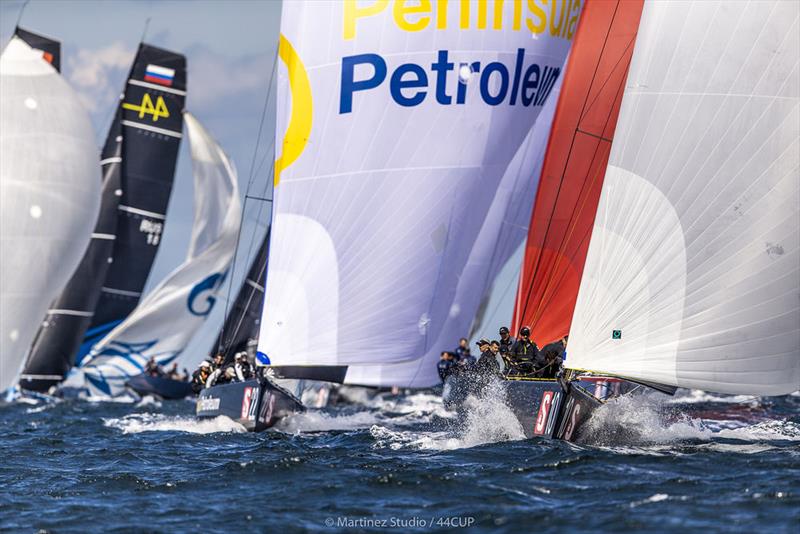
487 363
525 353
218 361
152 368
461 351
200 376
467 361
445 365
551 363
506 340
494 346
242 367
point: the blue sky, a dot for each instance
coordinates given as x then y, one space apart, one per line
230 48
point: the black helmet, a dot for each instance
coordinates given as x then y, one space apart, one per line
525 331
503 330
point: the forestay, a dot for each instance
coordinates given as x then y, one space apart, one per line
49 194
168 317
691 277
397 125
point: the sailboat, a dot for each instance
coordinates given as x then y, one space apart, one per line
138 164
380 190
168 317
669 256
49 190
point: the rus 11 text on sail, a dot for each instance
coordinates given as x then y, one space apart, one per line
527 85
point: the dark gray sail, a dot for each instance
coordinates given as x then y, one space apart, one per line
152 124
138 161
241 324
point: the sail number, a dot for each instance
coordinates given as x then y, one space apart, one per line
146 107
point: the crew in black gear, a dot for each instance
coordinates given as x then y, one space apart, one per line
525 353
462 350
487 363
506 340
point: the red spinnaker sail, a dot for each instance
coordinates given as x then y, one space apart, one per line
574 167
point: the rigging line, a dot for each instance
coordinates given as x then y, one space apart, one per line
21 11
563 172
252 197
251 177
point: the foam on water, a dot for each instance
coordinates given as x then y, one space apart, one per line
696 396
648 420
148 422
318 421
488 420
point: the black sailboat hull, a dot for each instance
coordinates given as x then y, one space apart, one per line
255 404
166 388
545 408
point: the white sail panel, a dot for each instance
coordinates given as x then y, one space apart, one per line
503 231
49 195
692 273
168 317
390 142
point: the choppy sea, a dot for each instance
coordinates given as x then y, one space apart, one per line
697 462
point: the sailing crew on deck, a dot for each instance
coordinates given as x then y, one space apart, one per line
152 368
462 349
550 361
466 362
506 340
445 365
487 363
218 361
524 353
200 376
242 367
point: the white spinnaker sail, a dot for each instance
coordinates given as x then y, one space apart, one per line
503 231
164 322
49 194
694 257
382 183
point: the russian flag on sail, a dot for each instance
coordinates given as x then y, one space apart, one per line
159 75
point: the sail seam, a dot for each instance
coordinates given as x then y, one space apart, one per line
138 211
152 129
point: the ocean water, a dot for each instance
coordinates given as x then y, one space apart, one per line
694 462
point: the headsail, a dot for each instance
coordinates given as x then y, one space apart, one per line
49 194
151 129
374 220
241 325
165 320
691 274
574 166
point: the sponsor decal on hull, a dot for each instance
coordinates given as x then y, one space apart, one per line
249 403
208 404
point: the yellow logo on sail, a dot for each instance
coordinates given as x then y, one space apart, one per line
299 129
146 107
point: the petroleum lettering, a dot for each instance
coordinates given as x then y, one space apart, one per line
410 84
